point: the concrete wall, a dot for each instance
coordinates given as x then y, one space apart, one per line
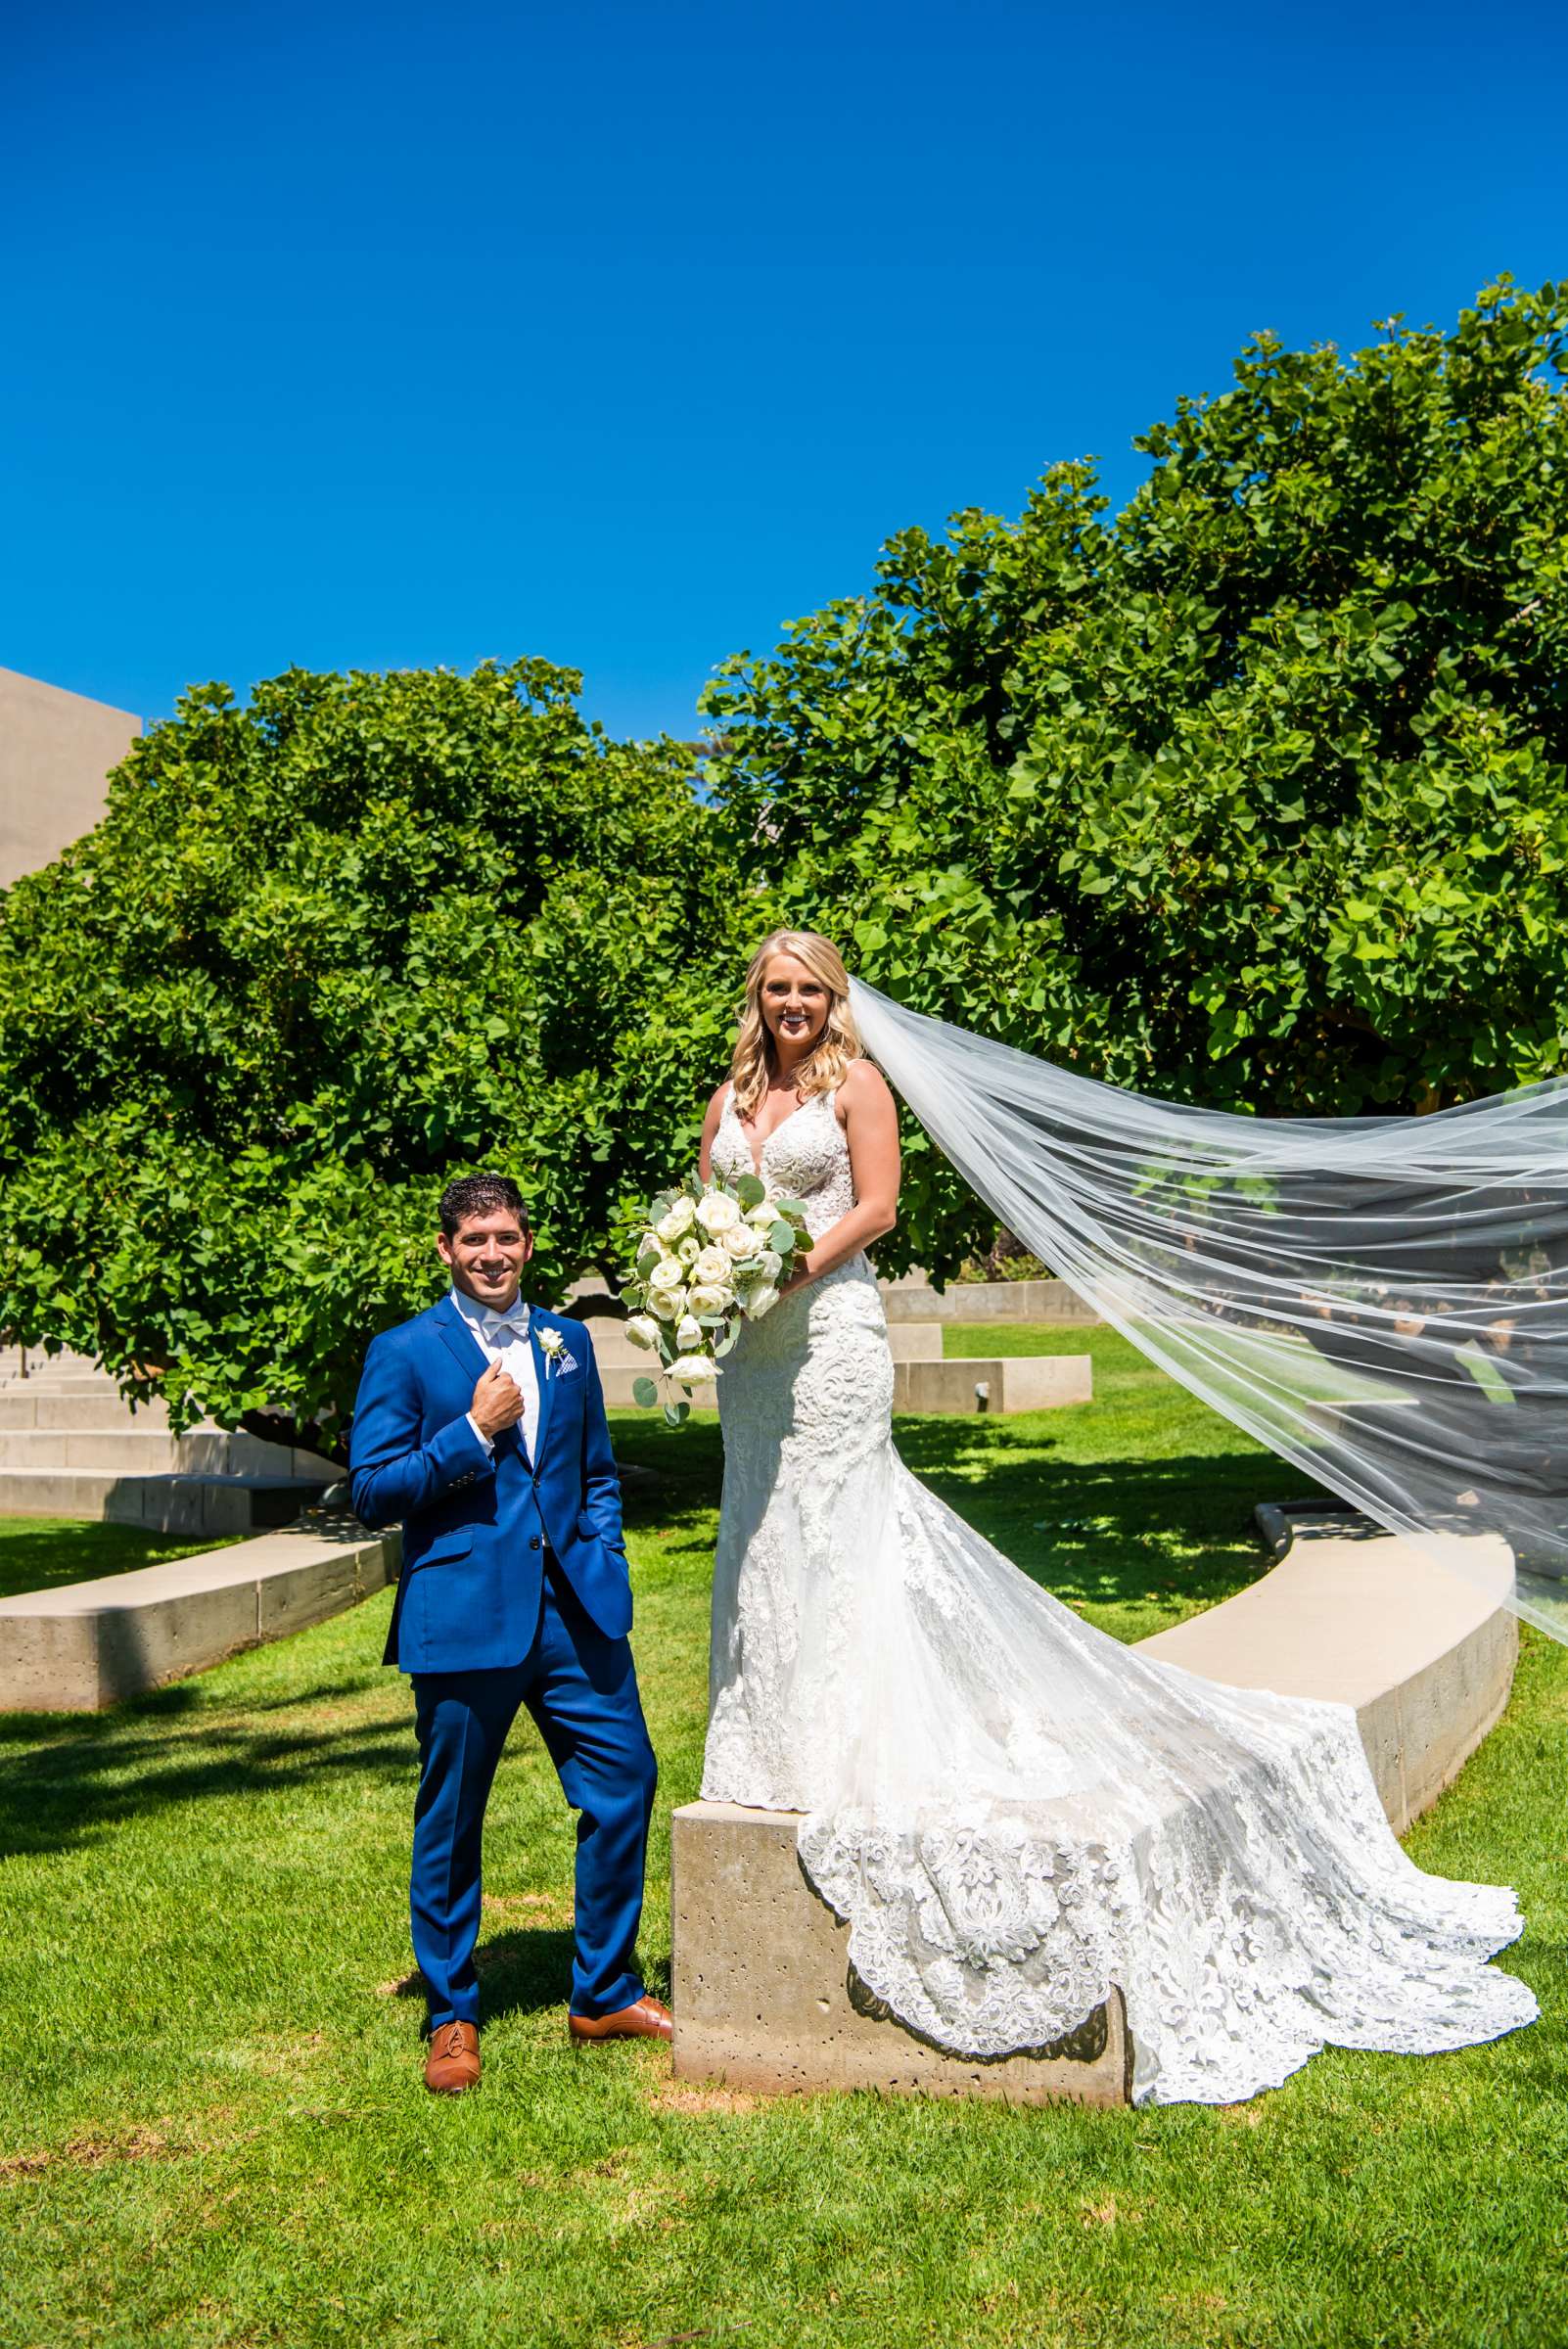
913 1299
56 751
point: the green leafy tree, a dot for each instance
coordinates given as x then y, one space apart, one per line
321 954
1254 794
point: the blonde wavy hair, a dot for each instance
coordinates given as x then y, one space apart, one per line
838 1045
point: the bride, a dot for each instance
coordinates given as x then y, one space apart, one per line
1012 1811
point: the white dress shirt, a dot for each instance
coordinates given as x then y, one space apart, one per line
504 1339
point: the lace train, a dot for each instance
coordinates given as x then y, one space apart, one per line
1012 1811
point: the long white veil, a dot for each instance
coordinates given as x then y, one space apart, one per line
1382 1301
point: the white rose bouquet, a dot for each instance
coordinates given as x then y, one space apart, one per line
706 1257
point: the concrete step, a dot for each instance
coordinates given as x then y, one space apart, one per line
151 1452
30 1405
165 1504
20 1362
71 1381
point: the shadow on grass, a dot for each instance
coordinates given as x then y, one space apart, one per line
520 1972
58 1791
1014 1481
45 1554
1112 1532
524 1970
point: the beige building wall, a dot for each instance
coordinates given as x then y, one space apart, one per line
56 751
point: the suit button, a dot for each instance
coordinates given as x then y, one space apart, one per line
533 1542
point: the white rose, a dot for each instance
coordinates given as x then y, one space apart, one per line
688 1336
717 1213
679 1221
693 1371
711 1297
668 1303
666 1278
688 1250
713 1265
769 1265
741 1241
763 1214
760 1301
642 1330
651 1240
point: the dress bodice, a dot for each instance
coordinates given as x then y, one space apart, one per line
806 1157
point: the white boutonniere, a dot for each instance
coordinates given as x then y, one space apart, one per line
553 1346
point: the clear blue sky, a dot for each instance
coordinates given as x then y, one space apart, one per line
621 334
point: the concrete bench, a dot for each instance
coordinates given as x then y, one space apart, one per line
85 1645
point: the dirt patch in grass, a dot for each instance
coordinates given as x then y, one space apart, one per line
527 1909
275 2055
90 2153
1107 2213
675 2095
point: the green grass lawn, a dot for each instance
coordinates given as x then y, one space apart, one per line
213 2131
37 1553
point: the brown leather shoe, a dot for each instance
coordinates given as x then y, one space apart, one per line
454 2061
645 2018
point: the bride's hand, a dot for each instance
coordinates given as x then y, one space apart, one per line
798 1279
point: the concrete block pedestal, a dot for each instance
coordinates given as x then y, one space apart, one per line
765 1999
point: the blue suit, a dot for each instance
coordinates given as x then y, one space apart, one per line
513 1592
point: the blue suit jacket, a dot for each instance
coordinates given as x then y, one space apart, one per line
474 1522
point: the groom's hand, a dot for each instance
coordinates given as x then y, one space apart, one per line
497 1402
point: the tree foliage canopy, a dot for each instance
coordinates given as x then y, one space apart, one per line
321 952
1254 794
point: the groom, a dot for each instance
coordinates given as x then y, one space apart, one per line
481 1425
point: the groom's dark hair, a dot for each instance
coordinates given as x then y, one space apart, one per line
480 1195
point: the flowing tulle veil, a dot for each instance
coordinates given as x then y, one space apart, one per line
1382 1301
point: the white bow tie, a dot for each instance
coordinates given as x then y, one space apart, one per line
495 1328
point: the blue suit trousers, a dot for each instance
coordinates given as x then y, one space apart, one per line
581 1689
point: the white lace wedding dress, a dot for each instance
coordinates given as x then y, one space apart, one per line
1013 1811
